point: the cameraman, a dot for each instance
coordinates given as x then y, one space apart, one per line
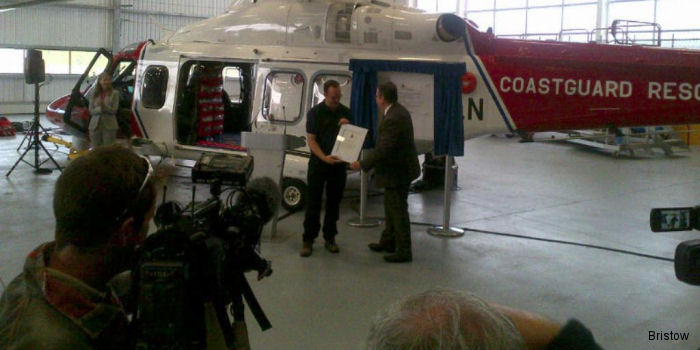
103 203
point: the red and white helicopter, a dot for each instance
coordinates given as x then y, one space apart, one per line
260 66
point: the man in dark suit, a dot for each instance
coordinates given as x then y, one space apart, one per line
396 165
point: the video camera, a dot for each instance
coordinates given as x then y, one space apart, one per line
687 258
193 268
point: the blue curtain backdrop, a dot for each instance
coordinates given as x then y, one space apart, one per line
448 125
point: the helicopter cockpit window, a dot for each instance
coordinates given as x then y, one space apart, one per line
345 87
124 70
123 78
283 96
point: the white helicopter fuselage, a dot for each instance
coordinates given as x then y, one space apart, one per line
309 38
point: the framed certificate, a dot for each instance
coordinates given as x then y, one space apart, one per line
348 143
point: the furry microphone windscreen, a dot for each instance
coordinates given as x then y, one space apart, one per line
266 188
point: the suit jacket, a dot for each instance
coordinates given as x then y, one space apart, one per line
394 157
104 118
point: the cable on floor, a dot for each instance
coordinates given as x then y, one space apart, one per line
549 240
614 250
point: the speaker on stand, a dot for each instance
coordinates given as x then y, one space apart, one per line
34 74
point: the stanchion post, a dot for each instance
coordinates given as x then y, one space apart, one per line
363 220
445 230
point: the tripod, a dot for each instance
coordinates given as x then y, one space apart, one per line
35 142
29 133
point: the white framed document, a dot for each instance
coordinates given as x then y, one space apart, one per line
348 143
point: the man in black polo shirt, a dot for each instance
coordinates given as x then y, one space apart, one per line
322 125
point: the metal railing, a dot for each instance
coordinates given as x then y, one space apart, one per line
623 32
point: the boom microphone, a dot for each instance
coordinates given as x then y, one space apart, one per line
266 196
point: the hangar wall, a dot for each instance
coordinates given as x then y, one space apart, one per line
85 25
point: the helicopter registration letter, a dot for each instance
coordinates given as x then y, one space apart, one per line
348 143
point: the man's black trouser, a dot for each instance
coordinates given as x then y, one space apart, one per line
398 224
332 177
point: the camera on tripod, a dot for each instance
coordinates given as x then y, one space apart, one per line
687 258
192 269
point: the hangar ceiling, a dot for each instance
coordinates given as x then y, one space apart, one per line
9 4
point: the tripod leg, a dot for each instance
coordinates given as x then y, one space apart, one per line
18 160
48 154
217 336
239 328
27 134
43 129
253 304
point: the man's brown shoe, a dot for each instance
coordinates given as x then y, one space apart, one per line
306 249
332 247
378 247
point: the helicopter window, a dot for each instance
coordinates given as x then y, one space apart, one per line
155 86
283 96
232 83
123 81
121 68
345 86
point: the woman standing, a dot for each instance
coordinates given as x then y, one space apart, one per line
104 103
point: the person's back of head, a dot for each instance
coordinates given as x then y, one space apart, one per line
97 192
443 319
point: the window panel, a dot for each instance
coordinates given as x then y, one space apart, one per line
580 2
632 11
580 17
11 61
79 61
510 22
56 62
678 14
483 20
447 6
533 3
283 96
510 4
344 81
544 20
475 5
689 40
427 5
97 69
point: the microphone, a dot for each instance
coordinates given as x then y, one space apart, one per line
266 195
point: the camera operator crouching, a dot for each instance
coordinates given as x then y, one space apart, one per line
102 203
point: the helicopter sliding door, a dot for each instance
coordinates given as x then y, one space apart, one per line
213 102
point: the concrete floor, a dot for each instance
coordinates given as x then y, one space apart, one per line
545 190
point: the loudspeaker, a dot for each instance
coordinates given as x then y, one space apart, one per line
34 67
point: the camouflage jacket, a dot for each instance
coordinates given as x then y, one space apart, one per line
44 308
